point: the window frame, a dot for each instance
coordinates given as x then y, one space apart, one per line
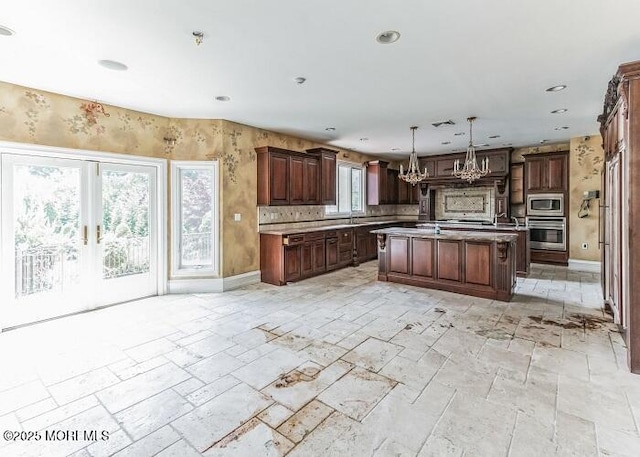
176 218
329 208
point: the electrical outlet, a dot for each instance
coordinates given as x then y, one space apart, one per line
237 217
585 246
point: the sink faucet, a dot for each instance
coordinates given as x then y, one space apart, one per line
350 217
515 219
495 218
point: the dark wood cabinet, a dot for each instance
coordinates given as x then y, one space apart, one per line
311 181
293 263
331 252
377 187
327 162
444 166
294 178
392 187
429 164
620 201
273 178
547 172
306 259
440 167
516 184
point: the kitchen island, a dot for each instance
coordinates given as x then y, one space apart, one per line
523 245
482 264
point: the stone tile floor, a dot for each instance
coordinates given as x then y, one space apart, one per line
339 365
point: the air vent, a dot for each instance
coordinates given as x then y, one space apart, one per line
438 124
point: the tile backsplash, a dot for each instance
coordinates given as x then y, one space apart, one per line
475 203
272 216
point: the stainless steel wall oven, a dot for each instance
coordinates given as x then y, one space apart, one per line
548 233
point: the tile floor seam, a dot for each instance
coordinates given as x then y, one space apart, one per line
437 422
633 416
513 433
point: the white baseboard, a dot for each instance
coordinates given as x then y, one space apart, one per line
592 266
209 285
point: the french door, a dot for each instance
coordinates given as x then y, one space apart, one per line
76 235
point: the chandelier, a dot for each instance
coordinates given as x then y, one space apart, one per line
413 175
470 171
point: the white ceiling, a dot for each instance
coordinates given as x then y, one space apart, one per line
455 58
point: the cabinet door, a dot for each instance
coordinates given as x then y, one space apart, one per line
361 245
292 264
404 192
279 179
319 253
311 180
328 179
392 187
444 167
556 173
429 164
534 168
296 181
306 259
516 190
331 253
372 246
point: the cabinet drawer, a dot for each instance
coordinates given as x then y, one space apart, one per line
291 240
345 256
345 237
314 236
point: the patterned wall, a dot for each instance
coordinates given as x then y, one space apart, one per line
39 117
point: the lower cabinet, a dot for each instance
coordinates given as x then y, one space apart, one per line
292 262
289 258
331 247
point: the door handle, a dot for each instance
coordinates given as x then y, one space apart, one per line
98 234
85 235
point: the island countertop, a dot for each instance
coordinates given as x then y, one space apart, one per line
500 227
447 234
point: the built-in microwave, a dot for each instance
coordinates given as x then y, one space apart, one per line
545 205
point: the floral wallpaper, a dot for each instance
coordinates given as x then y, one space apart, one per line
586 158
39 117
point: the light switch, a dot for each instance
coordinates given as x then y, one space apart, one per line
237 217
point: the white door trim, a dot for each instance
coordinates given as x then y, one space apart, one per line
88 155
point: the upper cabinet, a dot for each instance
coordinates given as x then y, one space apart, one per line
516 183
547 172
440 167
377 186
327 162
293 178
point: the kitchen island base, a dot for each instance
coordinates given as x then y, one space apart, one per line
479 264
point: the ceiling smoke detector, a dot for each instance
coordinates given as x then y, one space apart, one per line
223 98
388 37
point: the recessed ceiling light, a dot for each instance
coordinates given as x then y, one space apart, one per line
113 65
300 80
483 145
494 136
507 144
223 98
562 128
459 134
395 149
6 31
446 142
543 141
364 139
330 129
388 37
557 88
559 111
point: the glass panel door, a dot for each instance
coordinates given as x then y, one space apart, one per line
125 232
44 229
76 235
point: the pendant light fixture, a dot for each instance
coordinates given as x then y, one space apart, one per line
413 175
470 171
